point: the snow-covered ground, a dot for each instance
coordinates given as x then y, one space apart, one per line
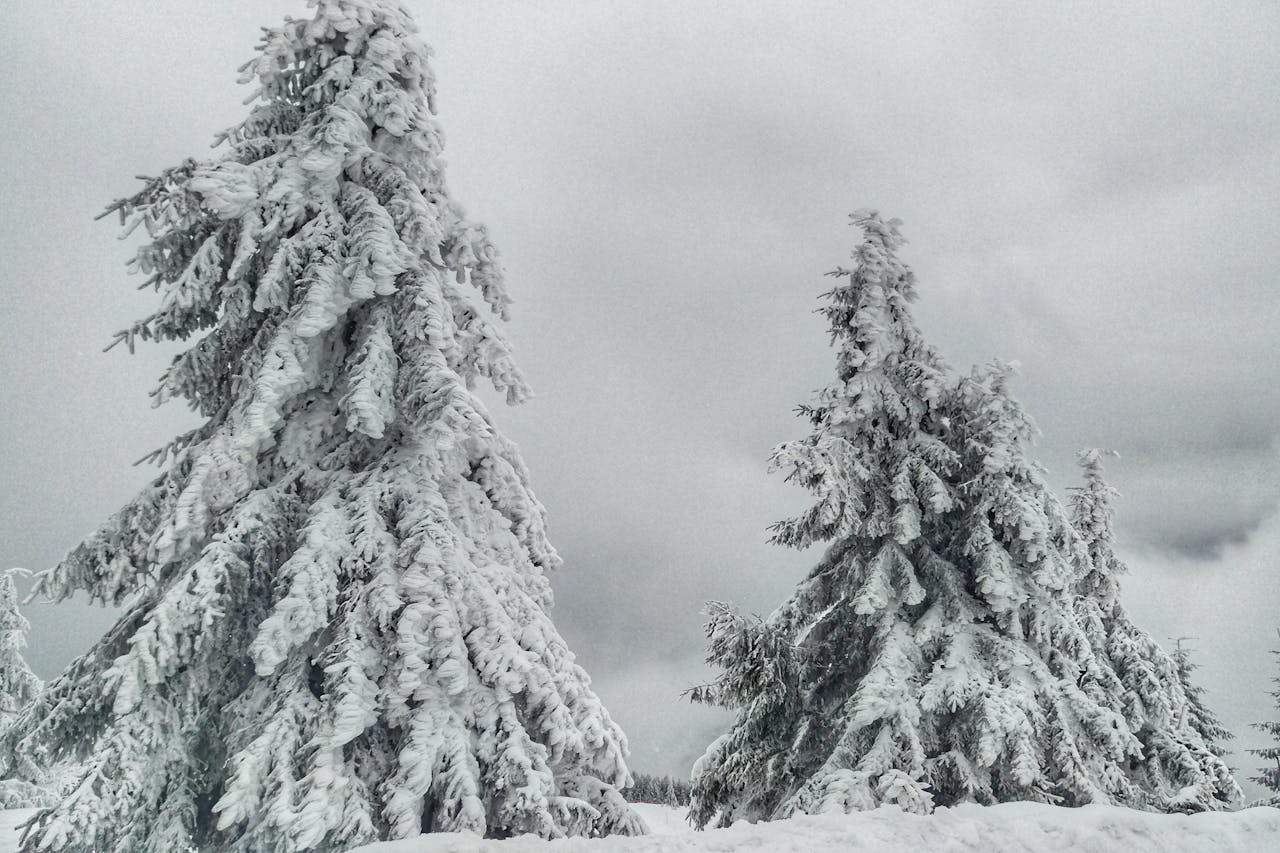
1021 827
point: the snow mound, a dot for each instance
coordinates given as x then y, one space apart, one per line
1022 827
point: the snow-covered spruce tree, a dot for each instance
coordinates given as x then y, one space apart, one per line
1018 552
336 600
1269 773
18 684
933 655
1200 716
23 784
1180 768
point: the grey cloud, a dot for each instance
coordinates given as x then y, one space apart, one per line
1174 597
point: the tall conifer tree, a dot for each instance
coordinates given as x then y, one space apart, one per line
828 705
934 654
1180 767
336 599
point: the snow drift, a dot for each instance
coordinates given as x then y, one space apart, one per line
986 829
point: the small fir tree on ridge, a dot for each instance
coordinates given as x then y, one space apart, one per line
335 595
1269 773
1201 717
23 783
18 684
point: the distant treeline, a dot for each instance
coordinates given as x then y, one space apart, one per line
663 790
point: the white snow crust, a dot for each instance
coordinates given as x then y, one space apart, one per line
1022 827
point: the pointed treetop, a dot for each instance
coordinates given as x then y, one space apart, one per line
1093 517
882 411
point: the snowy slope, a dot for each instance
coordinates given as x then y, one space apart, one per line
1021 827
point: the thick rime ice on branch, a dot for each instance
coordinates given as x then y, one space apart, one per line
934 655
336 619
24 782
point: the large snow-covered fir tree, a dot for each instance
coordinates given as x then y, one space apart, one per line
1269 773
821 684
934 654
1180 767
336 598
22 783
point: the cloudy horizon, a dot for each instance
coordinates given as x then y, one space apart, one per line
1092 194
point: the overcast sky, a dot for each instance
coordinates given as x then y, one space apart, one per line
1090 190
